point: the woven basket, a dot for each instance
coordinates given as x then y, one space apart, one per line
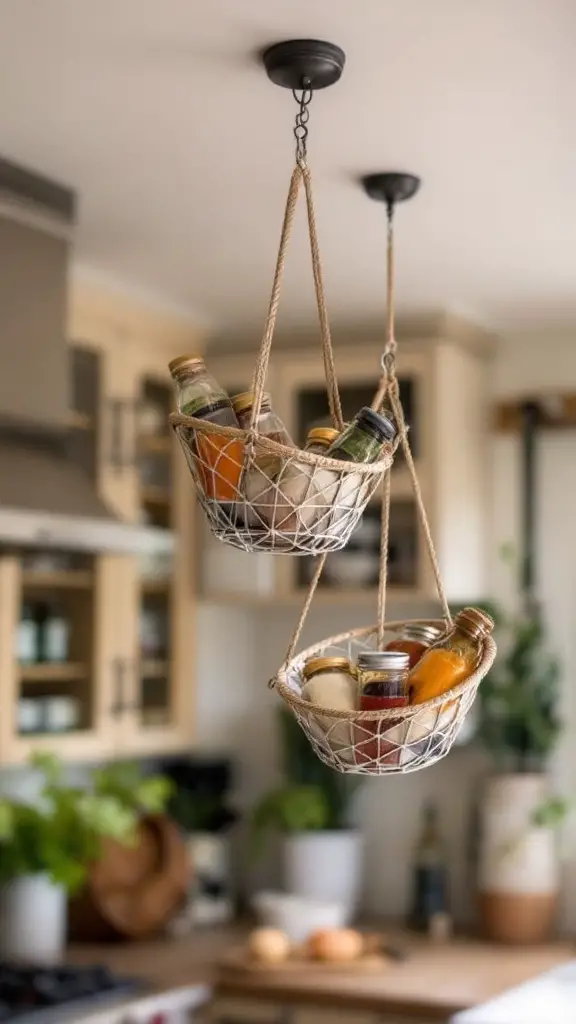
259 495
390 742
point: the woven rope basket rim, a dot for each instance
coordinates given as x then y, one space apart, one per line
286 451
398 714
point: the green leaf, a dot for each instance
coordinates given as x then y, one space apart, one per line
551 813
61 834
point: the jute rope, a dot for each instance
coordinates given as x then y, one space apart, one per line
268 446
301 174
387 387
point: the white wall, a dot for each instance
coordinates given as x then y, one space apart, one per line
240 649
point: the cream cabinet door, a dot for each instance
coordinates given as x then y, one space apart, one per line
159 597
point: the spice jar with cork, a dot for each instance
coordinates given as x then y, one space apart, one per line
220 459
451 660
382 683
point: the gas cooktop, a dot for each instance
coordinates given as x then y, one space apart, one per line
46 995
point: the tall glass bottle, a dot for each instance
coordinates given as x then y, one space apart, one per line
429 874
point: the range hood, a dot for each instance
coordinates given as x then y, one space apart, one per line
46 499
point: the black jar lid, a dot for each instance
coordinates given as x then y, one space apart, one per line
382 428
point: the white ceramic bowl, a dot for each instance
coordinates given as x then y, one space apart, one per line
296 915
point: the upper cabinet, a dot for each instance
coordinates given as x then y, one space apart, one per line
97 656
443 386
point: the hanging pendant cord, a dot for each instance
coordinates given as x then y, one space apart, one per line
388 387
300 176
387 382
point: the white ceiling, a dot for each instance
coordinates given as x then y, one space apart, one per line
180 148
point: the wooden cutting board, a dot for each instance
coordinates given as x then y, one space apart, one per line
239 959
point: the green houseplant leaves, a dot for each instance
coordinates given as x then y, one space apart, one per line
60 834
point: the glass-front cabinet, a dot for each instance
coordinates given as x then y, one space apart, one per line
96 651
159 683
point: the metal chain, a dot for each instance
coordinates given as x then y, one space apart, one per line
388 361
304 99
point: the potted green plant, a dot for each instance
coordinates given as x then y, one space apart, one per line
519 725
322 851
46 848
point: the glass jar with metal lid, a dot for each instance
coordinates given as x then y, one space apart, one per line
363 439
330 683
382 682
268 424
414 639
319 439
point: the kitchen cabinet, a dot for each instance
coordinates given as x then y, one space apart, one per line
97 652
442 374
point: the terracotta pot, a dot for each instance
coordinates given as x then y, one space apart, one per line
518 870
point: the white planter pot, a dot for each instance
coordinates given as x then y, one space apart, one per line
32 920
518 868
324 866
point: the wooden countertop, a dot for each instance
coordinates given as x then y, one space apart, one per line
435 981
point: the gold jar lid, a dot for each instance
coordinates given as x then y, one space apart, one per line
245 400
181 363
474 621
322 435
314 665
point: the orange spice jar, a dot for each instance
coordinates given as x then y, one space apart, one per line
219 458
451 660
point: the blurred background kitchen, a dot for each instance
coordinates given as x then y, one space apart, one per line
143 166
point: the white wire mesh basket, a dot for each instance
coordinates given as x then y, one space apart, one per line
389 742
259 495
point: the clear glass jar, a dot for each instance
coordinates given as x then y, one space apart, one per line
268 424
199 394
382 683
319 439
451 660
219 459
414 640
330 683
363 439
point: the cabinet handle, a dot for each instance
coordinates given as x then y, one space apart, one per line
120 705
116 454
123 450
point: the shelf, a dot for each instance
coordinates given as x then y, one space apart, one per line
151 495
160 585
326 596
53 672
152 668
60 580
80 420
156 444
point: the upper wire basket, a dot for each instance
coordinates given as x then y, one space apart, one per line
258 494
